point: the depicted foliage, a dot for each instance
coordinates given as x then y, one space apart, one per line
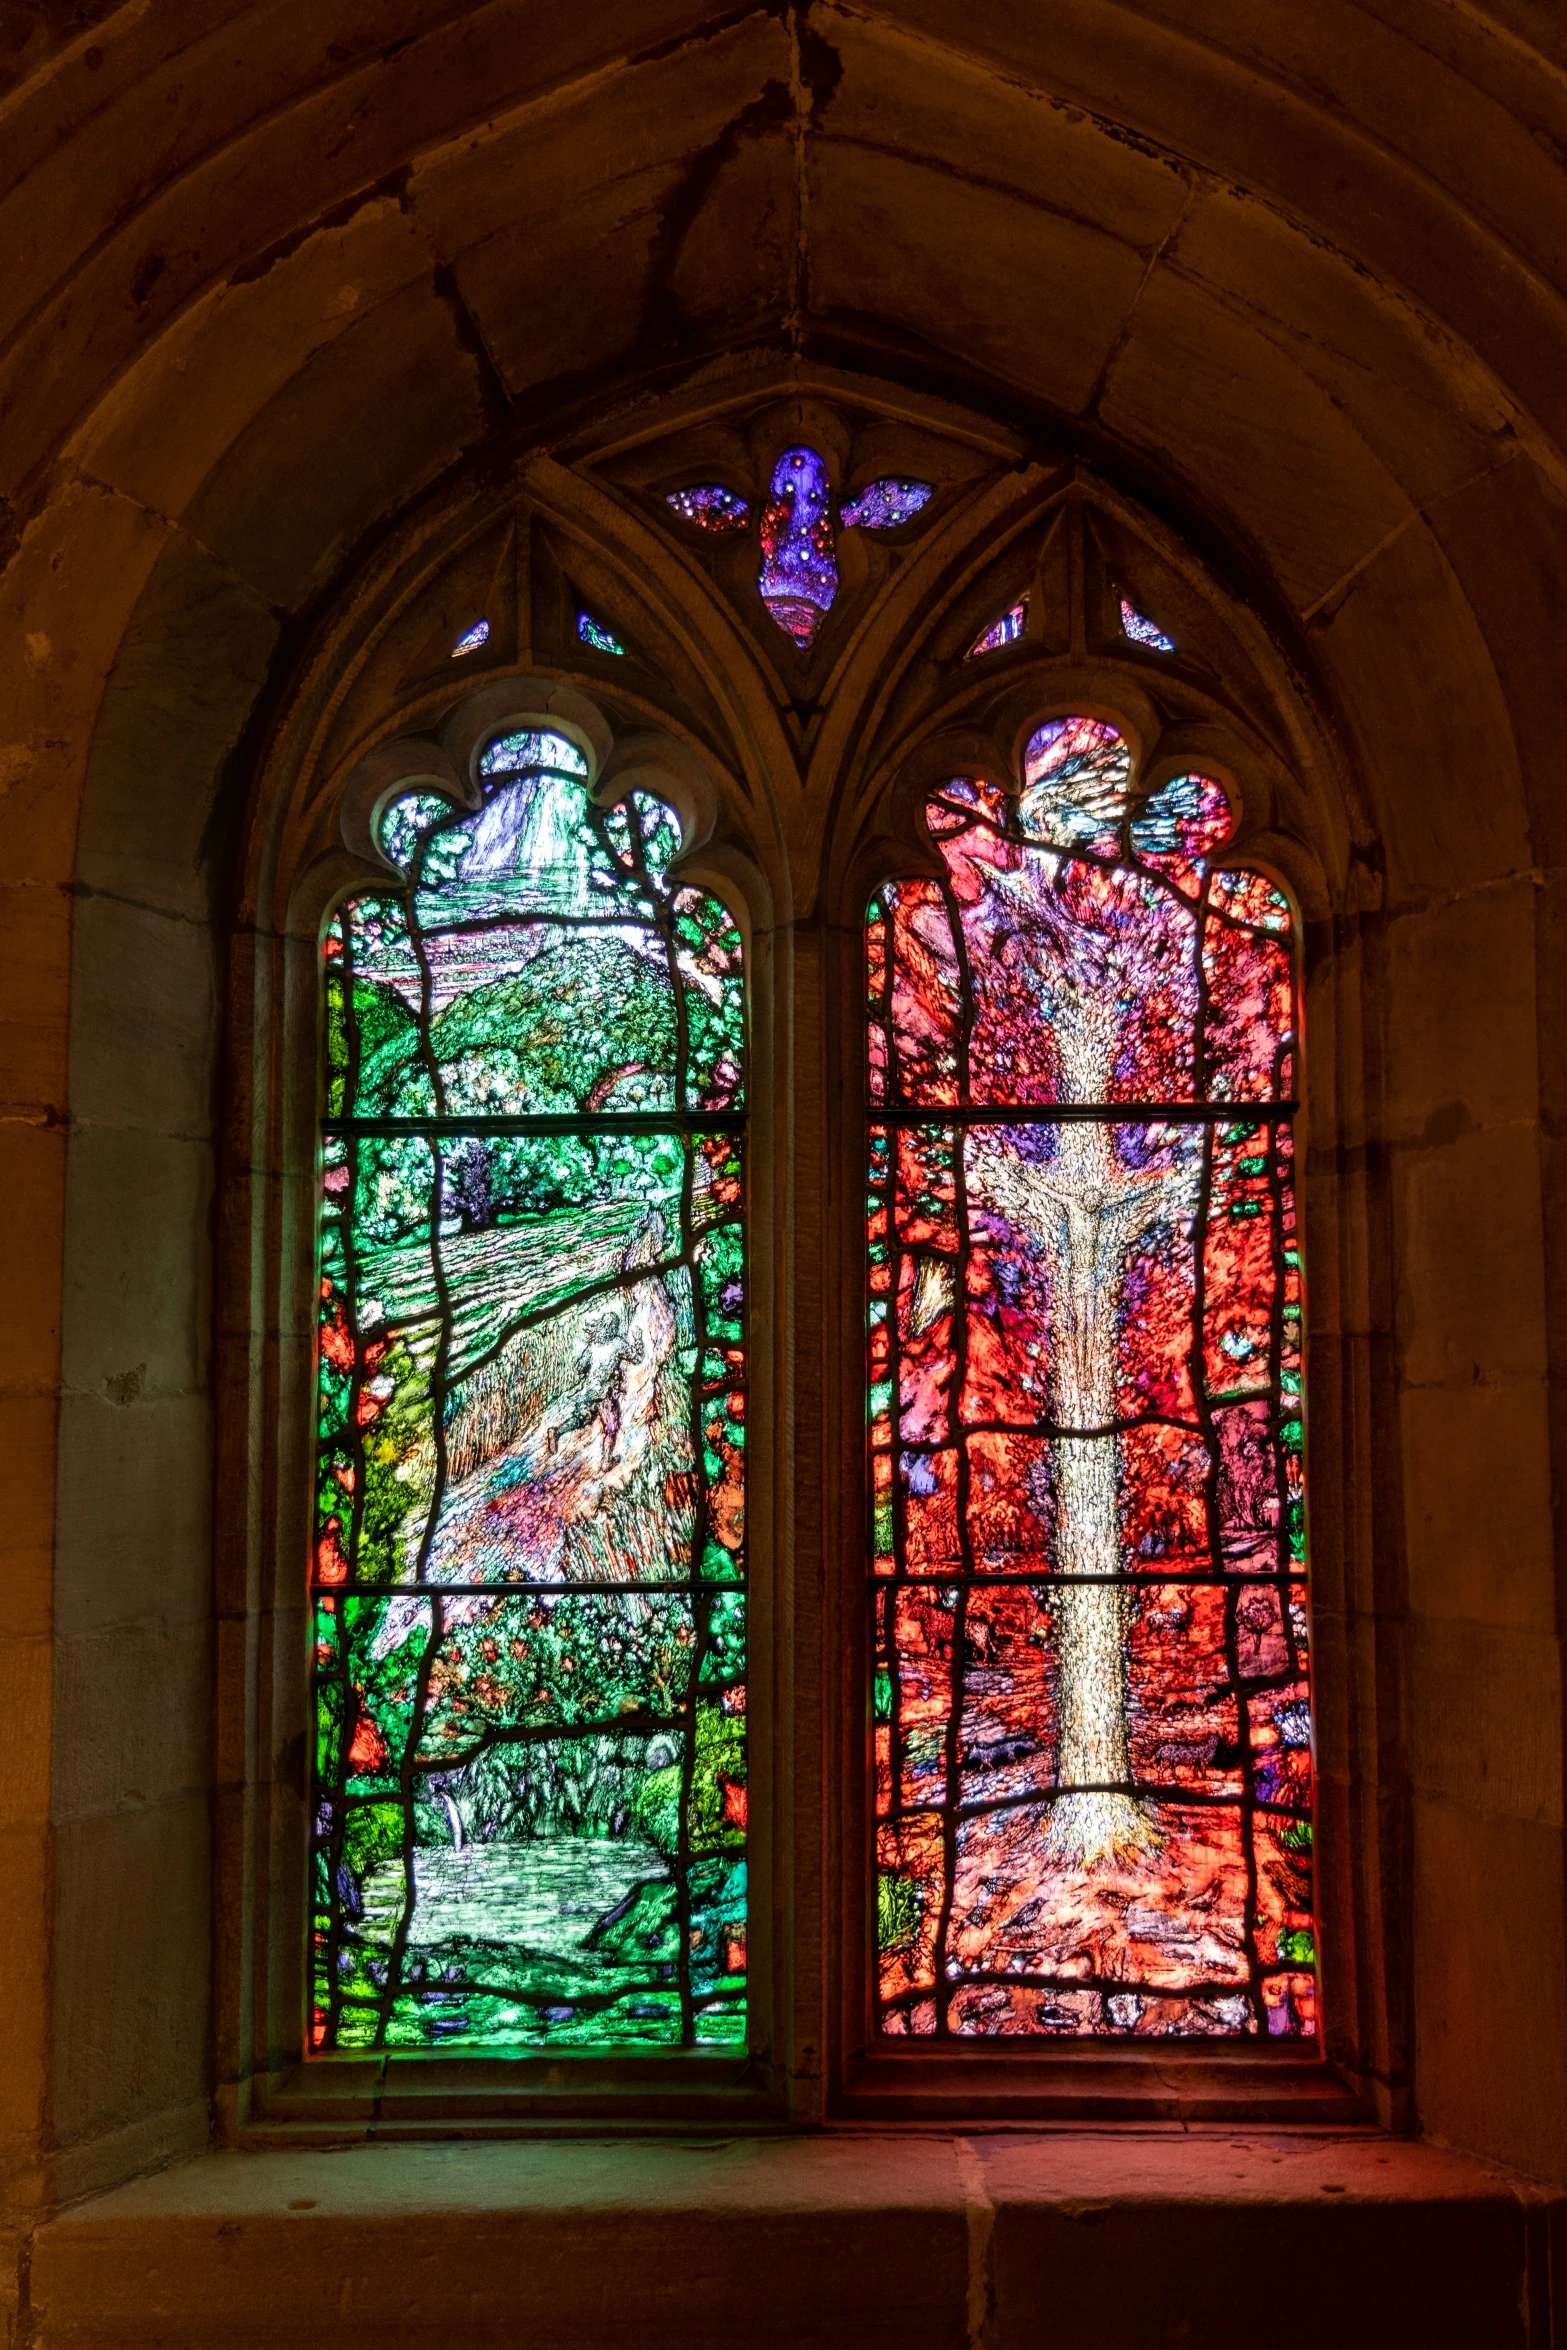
1093 1759
529 1553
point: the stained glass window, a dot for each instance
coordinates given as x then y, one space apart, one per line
593 632
471 639
528 1585
1092 1744
886 504
799 574
1004 631
710 507
1143 631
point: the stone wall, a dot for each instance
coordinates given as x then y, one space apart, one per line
1294 278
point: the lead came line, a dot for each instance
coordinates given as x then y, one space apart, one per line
1107 1113
588 1122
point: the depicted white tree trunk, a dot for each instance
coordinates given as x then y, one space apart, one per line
1085 1209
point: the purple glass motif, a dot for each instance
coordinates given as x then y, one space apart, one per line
799 575
883 505
710 506
1142 631
471 639
1004 631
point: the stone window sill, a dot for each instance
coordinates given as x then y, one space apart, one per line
1328 2238
421 2095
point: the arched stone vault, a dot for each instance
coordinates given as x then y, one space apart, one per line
283 282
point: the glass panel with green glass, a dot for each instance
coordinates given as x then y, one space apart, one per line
528 1579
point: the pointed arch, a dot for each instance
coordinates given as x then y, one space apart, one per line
799 774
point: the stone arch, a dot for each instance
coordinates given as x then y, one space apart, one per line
1320 333
780 815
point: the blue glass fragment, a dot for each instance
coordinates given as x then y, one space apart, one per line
593 632
799 574
1142 631
883 505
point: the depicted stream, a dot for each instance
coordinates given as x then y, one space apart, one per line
567 1926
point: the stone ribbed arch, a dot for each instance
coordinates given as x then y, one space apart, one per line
1293 285
1344 122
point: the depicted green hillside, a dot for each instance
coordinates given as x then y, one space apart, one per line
386 1029
537 1040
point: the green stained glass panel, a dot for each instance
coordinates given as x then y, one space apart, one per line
528 1572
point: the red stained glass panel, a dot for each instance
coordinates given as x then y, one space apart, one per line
1092 1740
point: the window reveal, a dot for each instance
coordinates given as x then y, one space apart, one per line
528 1589
1092 1762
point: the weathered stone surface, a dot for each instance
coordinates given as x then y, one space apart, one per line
1123 2244
1443 780
1469 1261
1082 279
162 802
1224 404
246 340
132 1982
146 1326
1075 2240
1462 989
368 418
771 2241
145 1018
281 281
134 1524
1488 1994
1477 1503
1362 340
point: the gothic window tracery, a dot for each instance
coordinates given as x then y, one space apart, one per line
797 578
1085 1797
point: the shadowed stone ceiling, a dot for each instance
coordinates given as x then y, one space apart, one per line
343 243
